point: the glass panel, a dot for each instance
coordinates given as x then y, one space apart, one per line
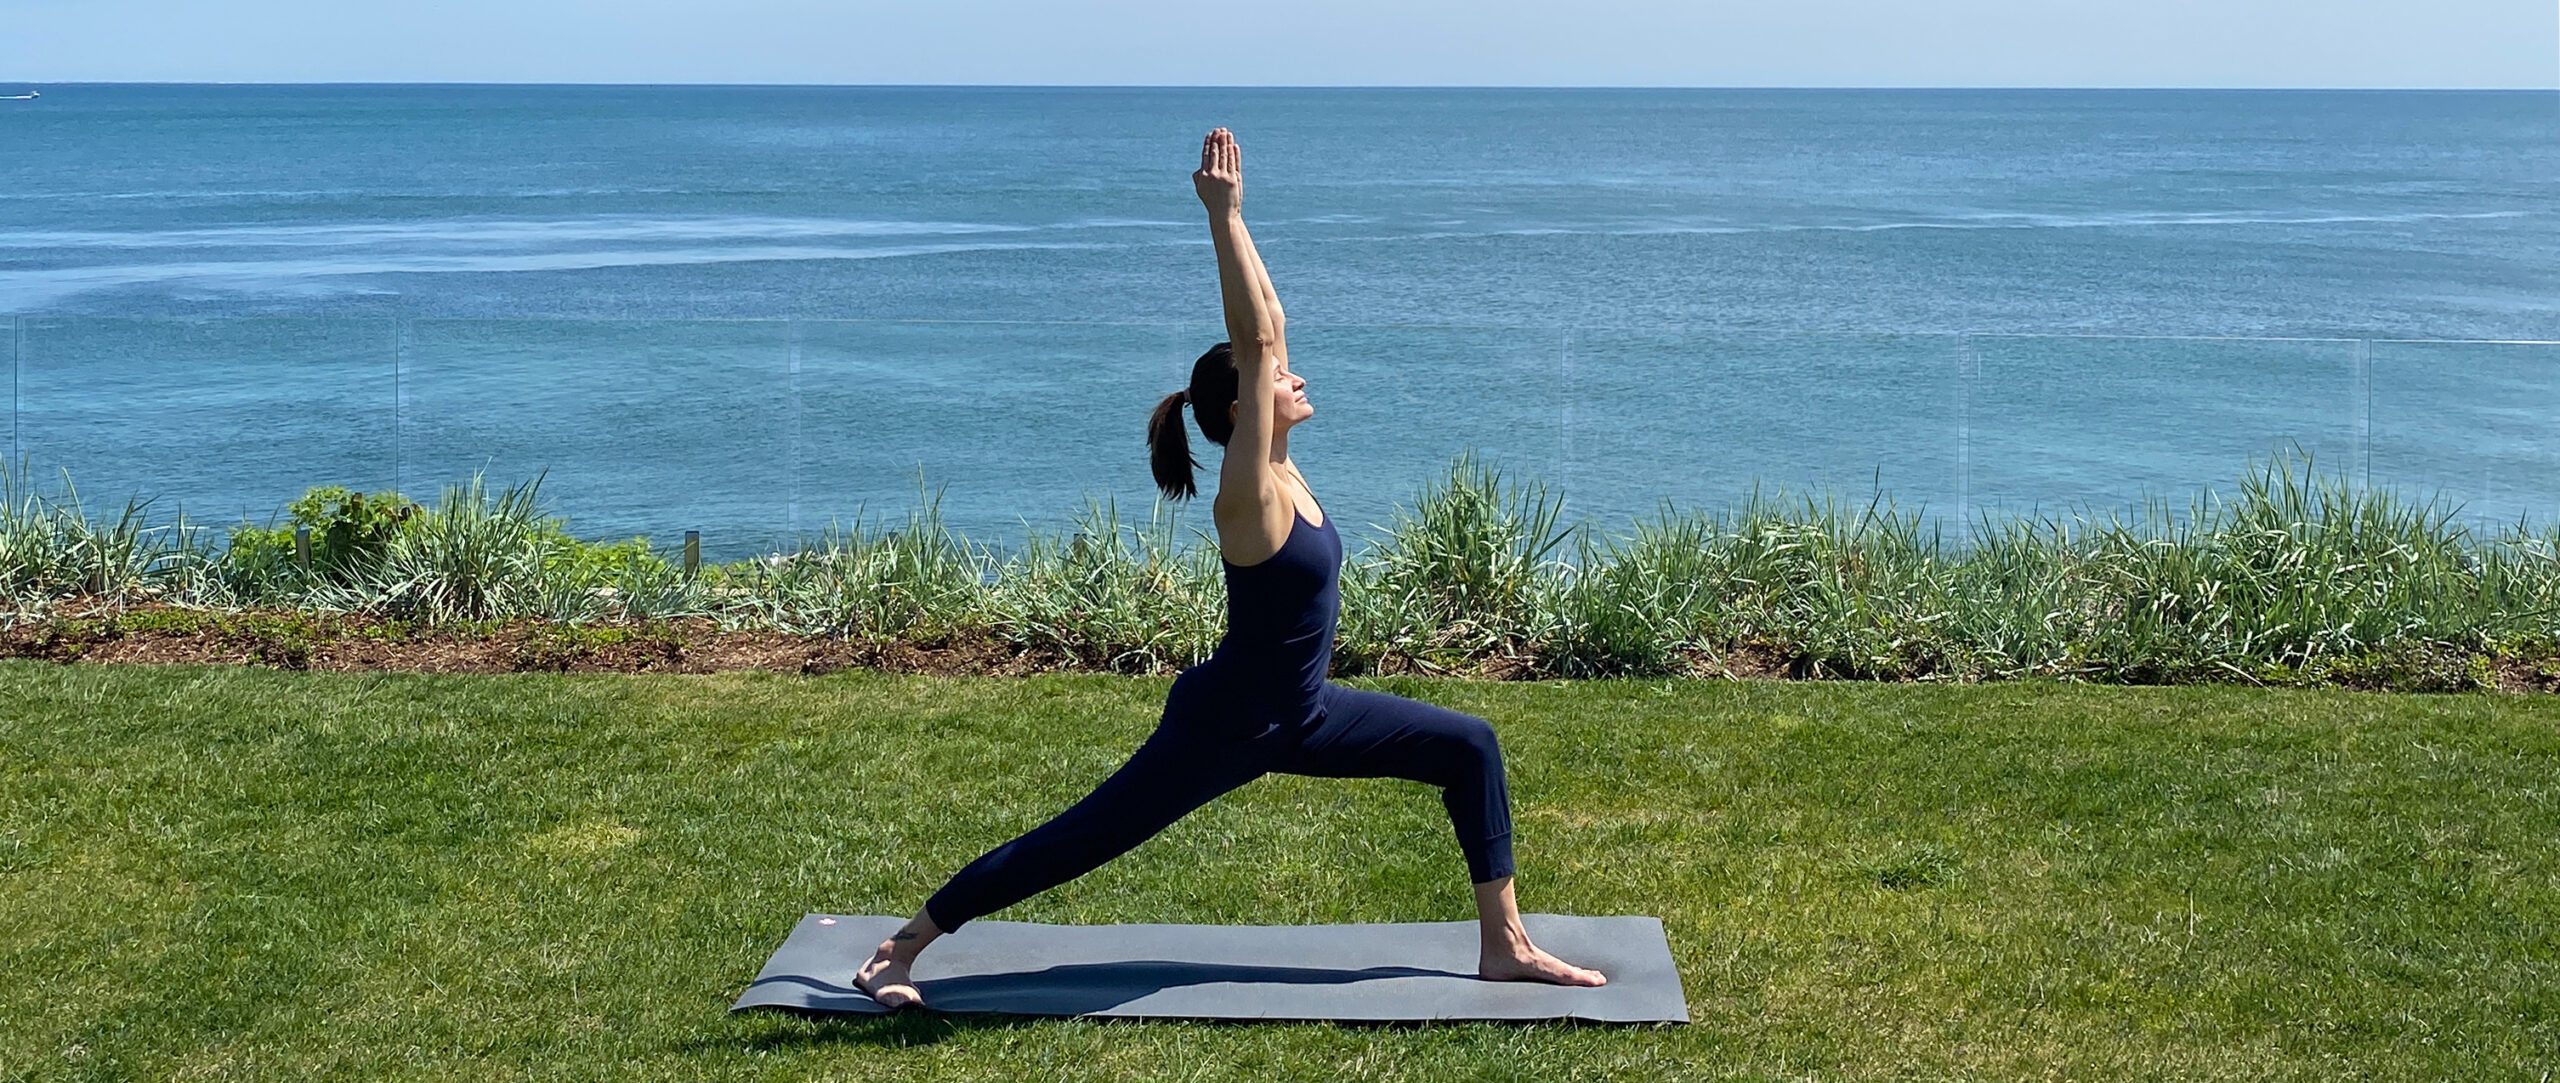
228 420
1394 405
1022 422
637 427
759 432
2476 422
1699 418
2099 424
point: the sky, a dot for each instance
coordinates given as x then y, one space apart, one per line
2061 43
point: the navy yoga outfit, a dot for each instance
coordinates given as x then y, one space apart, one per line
1259 704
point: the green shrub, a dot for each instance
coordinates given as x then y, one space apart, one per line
2294 577
350 532
50 548
1466 572
1123 600
922 581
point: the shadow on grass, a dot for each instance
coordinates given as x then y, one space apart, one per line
782 1029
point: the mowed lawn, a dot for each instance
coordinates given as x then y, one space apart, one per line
237 873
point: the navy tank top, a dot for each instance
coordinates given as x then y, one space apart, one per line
1280 622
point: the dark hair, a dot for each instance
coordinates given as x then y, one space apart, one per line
1212 390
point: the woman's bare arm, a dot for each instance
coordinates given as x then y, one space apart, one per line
1252 513
1251 317
1262 282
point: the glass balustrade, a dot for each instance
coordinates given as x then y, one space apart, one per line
2098 426
1011 425
2474 424
760 433
226 420
635 427
1394 405
1699 419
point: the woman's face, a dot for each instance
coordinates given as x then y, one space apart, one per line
1292 398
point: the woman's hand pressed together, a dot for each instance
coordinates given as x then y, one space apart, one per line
1220 179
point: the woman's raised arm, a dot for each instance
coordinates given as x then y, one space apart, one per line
1262 284
1248 488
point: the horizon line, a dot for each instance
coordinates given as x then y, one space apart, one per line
711 84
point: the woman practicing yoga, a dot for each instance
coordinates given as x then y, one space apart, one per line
1260 703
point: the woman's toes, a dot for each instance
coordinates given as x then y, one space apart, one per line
1564 973
1540 966
891 993
884 979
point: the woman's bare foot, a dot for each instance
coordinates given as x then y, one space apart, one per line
886 979
1527 962
1504 952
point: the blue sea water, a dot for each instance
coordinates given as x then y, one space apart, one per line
748 310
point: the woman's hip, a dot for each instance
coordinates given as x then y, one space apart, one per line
1217 702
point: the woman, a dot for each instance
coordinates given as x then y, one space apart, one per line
1261 702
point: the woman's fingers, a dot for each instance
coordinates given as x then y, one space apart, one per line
1219 155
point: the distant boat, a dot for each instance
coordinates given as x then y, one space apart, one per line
17 97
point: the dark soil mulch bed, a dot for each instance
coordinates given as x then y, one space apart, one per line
161 634
150 633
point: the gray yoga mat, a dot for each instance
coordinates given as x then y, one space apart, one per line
1411 971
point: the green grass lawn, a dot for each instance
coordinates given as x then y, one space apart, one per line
237 873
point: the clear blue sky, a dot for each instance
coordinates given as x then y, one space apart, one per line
2233 43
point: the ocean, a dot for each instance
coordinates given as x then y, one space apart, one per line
751 311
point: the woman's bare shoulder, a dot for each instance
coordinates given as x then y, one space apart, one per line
1251 527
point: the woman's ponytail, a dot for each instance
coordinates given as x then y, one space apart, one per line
1212 398
1169 448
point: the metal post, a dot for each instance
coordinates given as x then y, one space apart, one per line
17 385
2363 406
692 552
399 397
16 382
302 548
1564 414
1968 367
791 453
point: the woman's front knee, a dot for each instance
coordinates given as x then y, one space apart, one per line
1476 736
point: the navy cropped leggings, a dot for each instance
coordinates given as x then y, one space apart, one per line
1196 754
